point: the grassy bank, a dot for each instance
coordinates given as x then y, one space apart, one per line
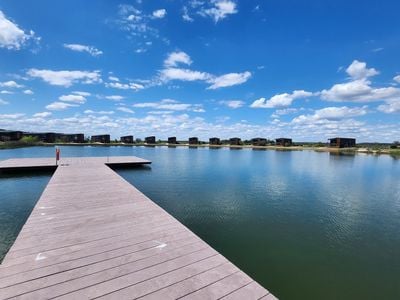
26 141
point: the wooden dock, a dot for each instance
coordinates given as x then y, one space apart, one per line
94 235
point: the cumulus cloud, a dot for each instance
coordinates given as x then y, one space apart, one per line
159 13
125 109
44 114
397 78
232 103
28 92
183 74
60 106
219 10
390 107
175 58
3 102
280 100
84 48
12 37
78 99
66 78
10 84
332 113
125 86
230 79
358 70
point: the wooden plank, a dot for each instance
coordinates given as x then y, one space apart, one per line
92 234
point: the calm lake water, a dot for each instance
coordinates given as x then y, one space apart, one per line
306 225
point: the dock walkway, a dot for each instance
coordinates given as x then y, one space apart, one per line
94 235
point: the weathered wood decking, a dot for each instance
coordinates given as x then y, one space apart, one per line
94 235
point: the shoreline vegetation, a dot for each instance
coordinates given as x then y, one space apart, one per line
375 149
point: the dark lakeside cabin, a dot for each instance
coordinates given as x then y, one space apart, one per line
259 142
150 139
235 141
46 137
103 138
339 142
284 142
6 135
214 141
71 138
172 140
127 139
193 141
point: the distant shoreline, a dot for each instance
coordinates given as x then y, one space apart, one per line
395 152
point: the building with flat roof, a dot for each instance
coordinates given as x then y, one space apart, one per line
285 142
339 142
150 139
193 141
259 142
9 135
103 138
70 138
235 141
172 140
46 137
127 139
214 141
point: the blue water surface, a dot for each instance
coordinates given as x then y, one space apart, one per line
305 224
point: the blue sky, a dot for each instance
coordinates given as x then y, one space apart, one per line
309 70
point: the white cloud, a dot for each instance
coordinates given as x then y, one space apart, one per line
78 99
11 36
12 116
170 104
6 92
84 48
125 109
44 114
113 78
280 100
220 10
359 70
28 92
10 84
3 102
60 106
175 58
185 15
66 78
230 79
390 107
101 112
232 103
183 74
125 86
159 13
115 98
359 91
397 78
84 94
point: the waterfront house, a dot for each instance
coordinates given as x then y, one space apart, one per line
285 142
150 139
172 140
259 142
214 141
104 138
339 142
193 141
127 139
235 141
46 137
6 135
70 138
